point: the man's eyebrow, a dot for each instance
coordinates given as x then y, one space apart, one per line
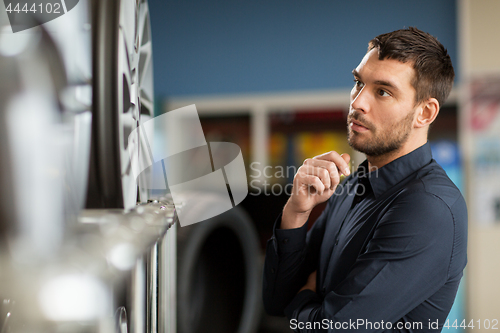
387 84
378 82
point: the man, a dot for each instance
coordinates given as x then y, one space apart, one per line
388 252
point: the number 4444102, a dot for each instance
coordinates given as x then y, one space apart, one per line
479 324
40 8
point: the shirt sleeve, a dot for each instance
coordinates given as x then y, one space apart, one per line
405 262
291 255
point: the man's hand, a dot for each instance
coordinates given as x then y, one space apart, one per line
311 283
314 183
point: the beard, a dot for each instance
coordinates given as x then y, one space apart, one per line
383 141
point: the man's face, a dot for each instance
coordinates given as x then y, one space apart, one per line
382 107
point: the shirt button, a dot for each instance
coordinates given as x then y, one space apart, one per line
272 270
337 242
285 240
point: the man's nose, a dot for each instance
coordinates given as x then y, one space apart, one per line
360 102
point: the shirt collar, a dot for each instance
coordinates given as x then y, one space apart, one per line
392 173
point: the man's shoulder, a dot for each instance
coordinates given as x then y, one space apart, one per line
432 198
432 191
448 205
433 180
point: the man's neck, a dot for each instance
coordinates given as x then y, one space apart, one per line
376 162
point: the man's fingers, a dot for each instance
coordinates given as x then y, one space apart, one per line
334 163
325 164
341 162
346 157
322 172
314 181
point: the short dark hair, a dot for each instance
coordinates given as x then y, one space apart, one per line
434 72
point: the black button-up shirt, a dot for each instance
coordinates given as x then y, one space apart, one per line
389 250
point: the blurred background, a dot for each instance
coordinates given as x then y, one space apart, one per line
274 77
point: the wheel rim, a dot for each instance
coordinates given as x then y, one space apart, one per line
135 83
121 320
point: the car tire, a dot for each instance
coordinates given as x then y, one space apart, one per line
122 99
219 275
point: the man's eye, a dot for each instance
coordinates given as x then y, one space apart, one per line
383 93
358 84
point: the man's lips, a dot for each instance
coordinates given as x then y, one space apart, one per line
357 126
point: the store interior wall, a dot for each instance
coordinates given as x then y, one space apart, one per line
479 36
238 47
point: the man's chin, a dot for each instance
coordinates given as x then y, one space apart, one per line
355 142
355 146
360 146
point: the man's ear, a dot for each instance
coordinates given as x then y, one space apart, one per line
427 112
